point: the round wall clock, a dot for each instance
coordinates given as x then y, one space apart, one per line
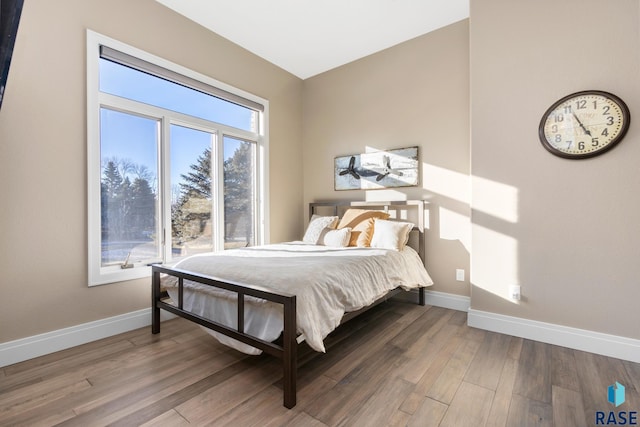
584 124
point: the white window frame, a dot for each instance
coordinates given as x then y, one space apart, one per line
97 274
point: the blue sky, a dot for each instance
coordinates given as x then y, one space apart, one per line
134 138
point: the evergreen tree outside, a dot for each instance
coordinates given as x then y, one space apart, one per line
143 202
124 206
127 210
238 195
112 179
197 182
191 214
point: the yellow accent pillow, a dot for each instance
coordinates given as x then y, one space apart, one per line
361 223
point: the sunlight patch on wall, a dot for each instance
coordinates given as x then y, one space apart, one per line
455 226
497 199
494 261
454 185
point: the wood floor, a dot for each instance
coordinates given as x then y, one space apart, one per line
398 364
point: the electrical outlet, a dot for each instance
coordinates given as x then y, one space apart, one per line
514 292
460 275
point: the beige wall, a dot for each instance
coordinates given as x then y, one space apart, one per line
566 231
413 94
43 249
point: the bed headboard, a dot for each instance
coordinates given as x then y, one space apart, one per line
402 210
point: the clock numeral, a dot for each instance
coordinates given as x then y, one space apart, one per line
558 138
609 120
581 145
605 132
554 128
605 110
581 104
595 105
567 109
594 142
559 118
569 145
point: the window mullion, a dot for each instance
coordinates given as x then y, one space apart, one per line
165 184
256 200
217 190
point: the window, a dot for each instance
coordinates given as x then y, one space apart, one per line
176 163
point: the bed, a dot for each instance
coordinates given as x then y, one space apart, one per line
272 297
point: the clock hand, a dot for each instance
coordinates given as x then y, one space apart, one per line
581 125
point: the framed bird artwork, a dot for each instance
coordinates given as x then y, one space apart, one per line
378 169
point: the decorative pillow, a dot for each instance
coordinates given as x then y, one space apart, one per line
337 238
390 234
315 227
361 223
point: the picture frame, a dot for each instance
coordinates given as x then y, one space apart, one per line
377 170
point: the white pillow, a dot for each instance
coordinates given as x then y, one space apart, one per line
315 227
390 234
338 238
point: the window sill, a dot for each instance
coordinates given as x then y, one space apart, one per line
112 274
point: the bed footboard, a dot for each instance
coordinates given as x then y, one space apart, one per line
287 352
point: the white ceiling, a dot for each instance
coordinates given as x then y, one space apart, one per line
308 37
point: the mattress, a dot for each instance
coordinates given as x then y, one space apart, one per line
327 281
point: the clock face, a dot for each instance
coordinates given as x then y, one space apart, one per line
584 124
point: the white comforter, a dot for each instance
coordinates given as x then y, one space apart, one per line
327 281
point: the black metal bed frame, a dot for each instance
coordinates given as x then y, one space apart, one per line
287 351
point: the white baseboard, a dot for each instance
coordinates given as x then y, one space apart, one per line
38 345
578 339
438 299
447 300
595 342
